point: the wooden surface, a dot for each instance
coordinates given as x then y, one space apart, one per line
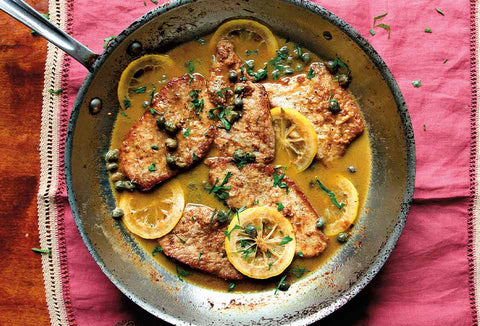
22 64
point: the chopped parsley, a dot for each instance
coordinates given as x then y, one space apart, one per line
152 167
280 207
194 156
156 250
220 92
231 287
238 211
140 90
445 61
153 111
197 104
42 251
57 92
124 114
330 194
378 18
154 147
191 66
372 32
277 181
181 273
279 283
220 191
240 158
250 52
440 11
270 265
428 30
211 217
386 27
424 128
299 272
106 41
154 1
201 41
222 115
181 240
126 103
417 83
227 234
199 257
300 254
285 240
311 73
257 76
187 132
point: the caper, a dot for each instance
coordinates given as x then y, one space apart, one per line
111 166
180 164
351 169
171 143
222 216
250 63
334 107
238 155
275 74
343 80
170 127
124 185
170 160
161 122
238 102
232 76
288 70
111 155
239 89
290 59
299 67
331 66
117 176
306 57
117 212
119 185
251 230
146 104
283 285
284 50
321 223
232 116
342 237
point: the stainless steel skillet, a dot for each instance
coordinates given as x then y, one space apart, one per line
90 196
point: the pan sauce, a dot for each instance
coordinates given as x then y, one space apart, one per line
357 155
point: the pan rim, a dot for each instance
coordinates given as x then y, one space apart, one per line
383 253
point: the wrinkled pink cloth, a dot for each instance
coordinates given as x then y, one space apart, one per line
424 282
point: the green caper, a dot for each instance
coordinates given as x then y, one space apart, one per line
238 155
117 213
117 176
250 63
170 127
232 116
334 107
238 102
343 80
283 285
239 89
180 164
146 104
171 143
222 216
129 185
284 50
111 166
251 230
232 76
342 237
161 122
351 169
288 70
331 66
290 60
321 223
170 160
124 185
299 67
111 155
306 57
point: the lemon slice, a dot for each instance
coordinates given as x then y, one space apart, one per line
260 243
246 31
130 81
339 220
154 214
296 136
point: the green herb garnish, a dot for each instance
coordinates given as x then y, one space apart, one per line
424 128
191 66
250 52
126 103
220 92
181 273
300 254
386 27
156 250
417 83
238 211
231 287
57 92
154 1
445 61
152 167
155 147
124 114
285 240
372 32
440 11
378 18
277 181
428 30
227 234
299 272
280 207
279 283
330 194
106 41
220 191
197 104
201 41
140 90
311 73
187 132
240 158
199 257
181 240
43 251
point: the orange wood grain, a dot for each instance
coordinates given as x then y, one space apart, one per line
22 63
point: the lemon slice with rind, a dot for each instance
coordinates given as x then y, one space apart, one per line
260 243
152 215
296 136
246 31
131 78
339 220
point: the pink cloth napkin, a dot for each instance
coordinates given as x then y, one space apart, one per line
425 281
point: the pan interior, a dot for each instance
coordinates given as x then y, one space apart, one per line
318 294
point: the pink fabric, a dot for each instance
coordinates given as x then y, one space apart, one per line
425 281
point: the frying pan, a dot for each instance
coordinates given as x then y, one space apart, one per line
120 257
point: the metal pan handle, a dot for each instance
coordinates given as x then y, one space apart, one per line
25 14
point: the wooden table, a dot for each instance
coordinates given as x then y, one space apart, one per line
22 64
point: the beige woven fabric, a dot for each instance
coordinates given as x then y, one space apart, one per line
49 134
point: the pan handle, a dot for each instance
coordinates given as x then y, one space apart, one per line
25 14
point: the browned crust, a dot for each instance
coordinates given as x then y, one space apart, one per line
200 236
